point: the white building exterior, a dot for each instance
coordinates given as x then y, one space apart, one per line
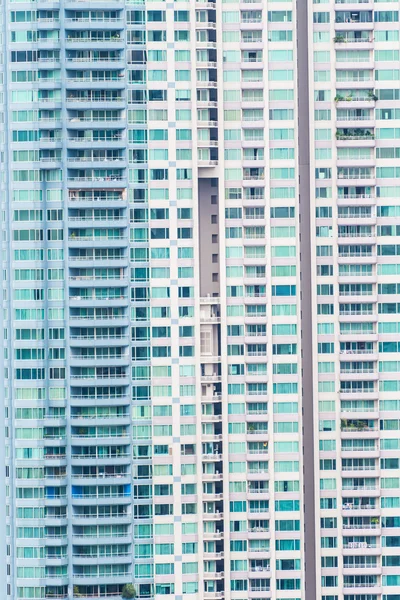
201 388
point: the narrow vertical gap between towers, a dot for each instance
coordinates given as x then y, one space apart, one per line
306 298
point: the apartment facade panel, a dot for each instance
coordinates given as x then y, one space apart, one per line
197 299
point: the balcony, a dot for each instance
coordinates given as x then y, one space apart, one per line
90 457
95 20
356 232
364 257
210 300
100 38
366 525
90 196
359 407
92 238
95 181
100 337
360 545
96 79
367 585
363 102
357 20
206 25
357 426
215 377
94 218
352 506
212 457
361 488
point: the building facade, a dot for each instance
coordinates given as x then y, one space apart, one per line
200 383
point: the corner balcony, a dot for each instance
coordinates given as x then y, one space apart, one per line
354 5
213 535
96 234
355 103
350 62
91 341
359 409
351 42
357 451
98 360
361 274
357 569
91 580
96 160
347 19
363 588
95 63
81 141
57 479
362 523
209 24
94 558
217 555
258 533
91 4
114 275
354 376
255 433
257 492
93 22
95 120
101 39
95 81
81 421
56 595
48 22
81 101
88 241
213 595
356 163
104 219
115 458
106 517
48 62
109 497
360 471
354 367
362 392
366 547
116 198
96 258
368 141
215 457
107 479
370 509
94 315
357 234
111 182
49 142
358 429
56 460
366 218
100 379
352 259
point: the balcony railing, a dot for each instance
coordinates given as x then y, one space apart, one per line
102 179
362 507
359 545
361 525
360 468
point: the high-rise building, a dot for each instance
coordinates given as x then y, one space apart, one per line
200 210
